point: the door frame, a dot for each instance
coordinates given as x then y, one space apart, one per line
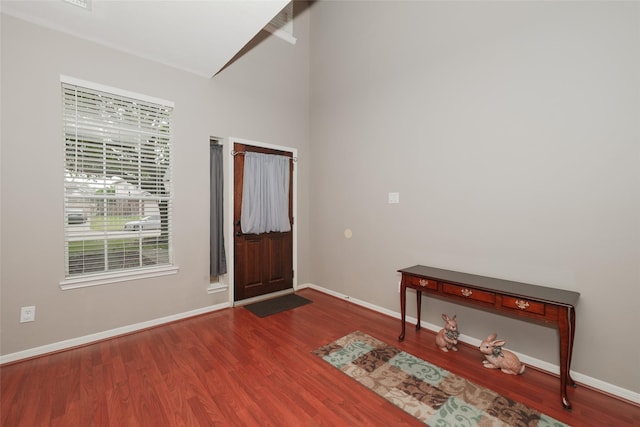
229 199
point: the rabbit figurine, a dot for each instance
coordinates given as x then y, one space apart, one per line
498 358
447 337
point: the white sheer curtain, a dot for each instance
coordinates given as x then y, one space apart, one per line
265 194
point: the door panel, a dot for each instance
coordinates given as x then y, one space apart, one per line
263 262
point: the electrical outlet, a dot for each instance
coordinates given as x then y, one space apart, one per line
28 314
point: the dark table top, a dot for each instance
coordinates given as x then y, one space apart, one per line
523 290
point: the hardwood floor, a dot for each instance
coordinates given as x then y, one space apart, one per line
233 368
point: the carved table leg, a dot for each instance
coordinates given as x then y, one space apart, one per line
572 325
566 329
403 306
419 305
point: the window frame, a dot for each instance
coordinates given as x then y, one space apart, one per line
85 279
281 25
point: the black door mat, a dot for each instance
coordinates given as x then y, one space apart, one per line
276 305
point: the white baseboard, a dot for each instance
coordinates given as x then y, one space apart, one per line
532 361
88 339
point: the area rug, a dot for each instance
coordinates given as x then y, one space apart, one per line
429 393
276 305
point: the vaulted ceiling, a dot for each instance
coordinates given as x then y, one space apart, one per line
196 36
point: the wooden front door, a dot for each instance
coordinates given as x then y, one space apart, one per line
263 263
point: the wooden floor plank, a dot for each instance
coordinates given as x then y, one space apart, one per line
231 367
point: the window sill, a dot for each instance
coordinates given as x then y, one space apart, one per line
284 35
107 278
216 287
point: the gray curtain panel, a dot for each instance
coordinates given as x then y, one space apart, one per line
265 194
218 262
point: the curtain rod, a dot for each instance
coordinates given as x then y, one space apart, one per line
235 153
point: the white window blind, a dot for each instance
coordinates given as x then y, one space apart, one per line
117 183
282 24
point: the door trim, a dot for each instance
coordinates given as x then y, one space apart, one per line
229 229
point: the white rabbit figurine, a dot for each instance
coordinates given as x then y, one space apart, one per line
447 338
498 358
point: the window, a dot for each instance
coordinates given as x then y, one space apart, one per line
282 24
117 184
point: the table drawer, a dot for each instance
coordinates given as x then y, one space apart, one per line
522 304
470 293
419 282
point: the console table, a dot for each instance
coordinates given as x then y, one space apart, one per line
534 303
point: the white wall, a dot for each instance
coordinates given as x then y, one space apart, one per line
263 96
511 131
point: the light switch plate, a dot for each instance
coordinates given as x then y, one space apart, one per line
394 198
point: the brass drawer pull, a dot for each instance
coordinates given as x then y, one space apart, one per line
423 282
522 305
466 292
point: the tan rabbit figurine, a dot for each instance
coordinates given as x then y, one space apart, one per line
498 358
447 337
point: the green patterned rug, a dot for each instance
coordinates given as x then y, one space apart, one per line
431 394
